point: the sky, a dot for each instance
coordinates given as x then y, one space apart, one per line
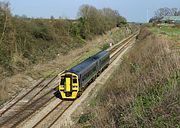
132 10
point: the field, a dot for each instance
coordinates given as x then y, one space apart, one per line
173 32
143 91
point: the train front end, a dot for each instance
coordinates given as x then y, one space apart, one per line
69 85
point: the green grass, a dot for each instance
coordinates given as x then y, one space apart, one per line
85 117
172 32
167 30
143 105
105 46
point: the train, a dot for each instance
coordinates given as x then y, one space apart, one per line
74 81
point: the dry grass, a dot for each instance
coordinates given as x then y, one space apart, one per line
143 91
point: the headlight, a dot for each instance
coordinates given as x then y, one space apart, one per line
74 86
62 86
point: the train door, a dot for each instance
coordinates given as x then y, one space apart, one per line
68 84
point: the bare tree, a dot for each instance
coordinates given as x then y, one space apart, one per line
174 11
166 12
163 12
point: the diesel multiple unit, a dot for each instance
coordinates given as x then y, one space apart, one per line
75 80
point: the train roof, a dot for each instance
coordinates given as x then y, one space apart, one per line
100 54
83 65
88 62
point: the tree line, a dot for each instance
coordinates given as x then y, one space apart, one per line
93 21
161 12
25 41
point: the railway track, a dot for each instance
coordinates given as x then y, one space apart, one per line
115 51
35 99
13 114
25 111
33 92
50 118
116 46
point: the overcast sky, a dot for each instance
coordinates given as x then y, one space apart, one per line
133 10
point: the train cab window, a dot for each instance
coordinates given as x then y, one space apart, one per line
74 81
62 81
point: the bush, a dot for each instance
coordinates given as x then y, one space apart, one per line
105 46
85 117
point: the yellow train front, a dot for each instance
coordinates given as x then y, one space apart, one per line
75 80
69 85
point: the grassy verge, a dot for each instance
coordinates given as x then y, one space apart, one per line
143 91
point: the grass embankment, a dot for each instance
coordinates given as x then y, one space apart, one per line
143 91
